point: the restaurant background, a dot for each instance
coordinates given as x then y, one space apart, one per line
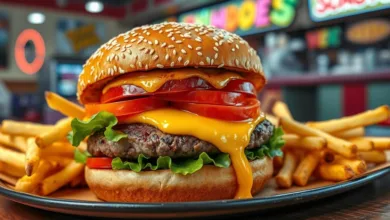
325 59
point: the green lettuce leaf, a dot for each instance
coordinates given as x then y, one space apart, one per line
180 166
99 121
271 149
81 157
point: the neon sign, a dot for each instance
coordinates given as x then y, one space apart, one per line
322 10
20 51
245 17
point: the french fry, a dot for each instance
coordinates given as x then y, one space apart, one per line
11 157
274 120
64 106
30 183
357 166
284 177
362 144
351 133
374 156
77 181
33 156
305 143
23 128
363 119
327 156
281 110
305 168
59 149
11 170
6 140
335 172
337 145
380 143
278 161
57 180
20 143
58 160
60 130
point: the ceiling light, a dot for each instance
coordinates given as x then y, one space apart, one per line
94 6
36 18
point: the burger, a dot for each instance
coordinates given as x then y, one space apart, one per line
173 115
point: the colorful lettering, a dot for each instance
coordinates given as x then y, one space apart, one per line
284 14
247 15
203 17
262 10
231 18
218 17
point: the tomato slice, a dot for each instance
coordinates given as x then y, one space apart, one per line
251 109
99 162
175 86
129 107
207 97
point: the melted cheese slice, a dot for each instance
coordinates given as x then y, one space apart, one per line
228 137
153 80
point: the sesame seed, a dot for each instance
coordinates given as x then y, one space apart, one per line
216 44
233 49
128 46
200 53
166 57
139 41
179 41
117 48
123 49
201 63
115 68
148 33
174 52
155 57
150 42
216 49
237 46
140 64
142 48
198 48
189 46
146 67
198 39
160 66
172 64
126 41
144 40
220 42
208 60
116 57
170 34
183 51
221 65
216 56
160 31
237 62
152 51
177 32
171 46
186 63
212 61
132 66
135 34
168 30
163 44
156 42
215 38
179 59
173 38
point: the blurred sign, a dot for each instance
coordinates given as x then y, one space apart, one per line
245 17
30 44
4 40
83 37
76 37
322 10
324 38
369 32
5 101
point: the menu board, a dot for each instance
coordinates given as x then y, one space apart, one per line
4 40
323 10
245 17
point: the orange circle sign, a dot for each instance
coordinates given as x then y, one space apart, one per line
20 51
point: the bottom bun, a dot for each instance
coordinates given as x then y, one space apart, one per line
209 183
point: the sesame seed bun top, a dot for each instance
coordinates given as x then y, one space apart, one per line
167 46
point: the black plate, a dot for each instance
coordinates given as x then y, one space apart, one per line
188 209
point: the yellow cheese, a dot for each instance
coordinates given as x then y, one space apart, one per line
228 137
152 81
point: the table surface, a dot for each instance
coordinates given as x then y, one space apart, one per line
371 201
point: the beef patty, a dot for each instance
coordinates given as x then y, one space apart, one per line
151 142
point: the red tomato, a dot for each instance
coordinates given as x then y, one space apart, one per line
174 86
129 107
251 109
207 97
99 162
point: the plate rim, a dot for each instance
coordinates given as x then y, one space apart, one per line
229 206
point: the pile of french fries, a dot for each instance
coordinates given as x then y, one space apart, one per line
334 150
38 155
